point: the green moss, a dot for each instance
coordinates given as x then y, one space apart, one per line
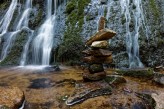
13 57
72 45
70 7
136 72
4 5
154 8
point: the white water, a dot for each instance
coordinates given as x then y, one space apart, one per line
43 42
22 24
132 38
5 22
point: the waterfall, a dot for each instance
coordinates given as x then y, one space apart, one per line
22 24
43 42
5 22
132 45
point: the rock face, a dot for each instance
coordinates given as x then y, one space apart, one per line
11 97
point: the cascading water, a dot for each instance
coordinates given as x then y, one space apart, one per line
22 24
5 22
132 45
43 42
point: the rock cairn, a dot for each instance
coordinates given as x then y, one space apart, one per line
97 54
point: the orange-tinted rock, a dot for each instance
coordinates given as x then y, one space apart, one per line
103 34
100 44
102 21
11 97
92 59
94 77
98 52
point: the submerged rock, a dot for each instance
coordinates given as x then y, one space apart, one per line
11 98
145 72
103 34
84 91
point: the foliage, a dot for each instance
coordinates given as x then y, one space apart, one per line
72 45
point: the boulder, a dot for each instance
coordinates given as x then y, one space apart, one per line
87 77
94 68
142 72
11 97
93 59
100 44
102 21
103 34
159 78
98 52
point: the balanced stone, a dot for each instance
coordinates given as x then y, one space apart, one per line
95 68
103 34
101 23
97 53
93 59
93 77
100 44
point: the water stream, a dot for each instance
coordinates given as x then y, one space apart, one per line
132 44
43 42
22 24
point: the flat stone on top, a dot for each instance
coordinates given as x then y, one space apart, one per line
104 34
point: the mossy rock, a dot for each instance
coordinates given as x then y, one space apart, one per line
114 79
13 57
145 72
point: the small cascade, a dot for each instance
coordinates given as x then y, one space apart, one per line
5 22
22 24
43 42
132 45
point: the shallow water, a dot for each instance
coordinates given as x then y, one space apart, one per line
46 90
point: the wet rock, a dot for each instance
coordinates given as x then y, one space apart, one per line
145 72
98 52
100 44
103 34
84 91
41 83
115 79
159 69
159 78
52 68
147 98
92 59
11 97
94 68
159 99
102 20
87 77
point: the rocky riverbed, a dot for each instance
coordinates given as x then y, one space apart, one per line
65 89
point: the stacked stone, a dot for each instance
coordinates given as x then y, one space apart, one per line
97 53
